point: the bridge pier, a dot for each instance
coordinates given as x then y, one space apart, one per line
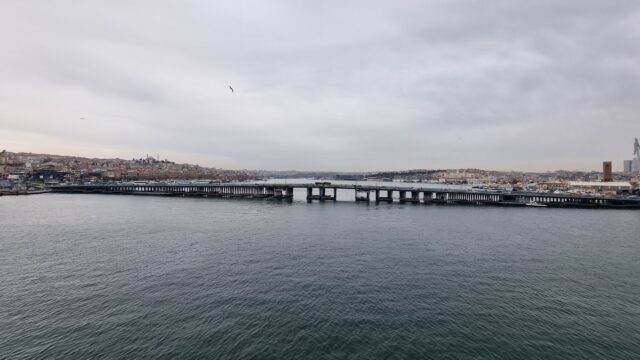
360 196
439 198
322 194
414 196
388 198
427 197
282 193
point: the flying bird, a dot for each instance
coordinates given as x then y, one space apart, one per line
231 88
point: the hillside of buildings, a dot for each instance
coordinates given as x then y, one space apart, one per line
57 168
28 170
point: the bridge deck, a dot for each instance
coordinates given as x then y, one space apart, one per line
409 193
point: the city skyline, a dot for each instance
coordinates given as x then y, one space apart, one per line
326 87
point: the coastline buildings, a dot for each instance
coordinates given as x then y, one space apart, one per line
50 169
41 170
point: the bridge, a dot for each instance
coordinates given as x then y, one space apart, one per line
326 191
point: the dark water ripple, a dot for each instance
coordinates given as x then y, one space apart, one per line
112 277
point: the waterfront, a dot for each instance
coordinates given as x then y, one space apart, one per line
94 276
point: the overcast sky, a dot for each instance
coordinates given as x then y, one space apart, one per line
324 85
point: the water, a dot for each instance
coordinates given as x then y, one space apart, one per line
113 277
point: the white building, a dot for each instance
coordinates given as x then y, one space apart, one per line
604 187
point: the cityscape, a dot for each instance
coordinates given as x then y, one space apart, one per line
25 173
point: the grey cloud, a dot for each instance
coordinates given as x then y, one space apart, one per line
326 85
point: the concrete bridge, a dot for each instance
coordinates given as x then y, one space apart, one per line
326 191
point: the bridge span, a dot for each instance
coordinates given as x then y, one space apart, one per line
326 191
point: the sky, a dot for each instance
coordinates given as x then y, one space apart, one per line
324 85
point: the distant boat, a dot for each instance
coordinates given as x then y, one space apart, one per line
535 204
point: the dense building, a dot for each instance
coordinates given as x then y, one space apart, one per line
553 185
44 168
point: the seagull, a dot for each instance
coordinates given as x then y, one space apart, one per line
231 88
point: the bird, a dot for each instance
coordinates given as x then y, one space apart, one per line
231 88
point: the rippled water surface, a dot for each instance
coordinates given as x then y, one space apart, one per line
113 277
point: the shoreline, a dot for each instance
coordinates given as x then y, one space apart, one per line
24 192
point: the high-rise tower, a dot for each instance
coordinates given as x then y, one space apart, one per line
633 166
606 171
